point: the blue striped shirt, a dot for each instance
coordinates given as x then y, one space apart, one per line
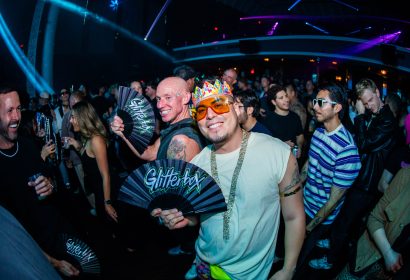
333 161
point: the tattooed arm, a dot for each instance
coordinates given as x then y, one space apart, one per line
182 147
303 172
294 217
335 195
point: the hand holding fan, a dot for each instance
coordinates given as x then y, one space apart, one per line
138 117
170 183
82 253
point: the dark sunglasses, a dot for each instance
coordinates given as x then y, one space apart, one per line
322 102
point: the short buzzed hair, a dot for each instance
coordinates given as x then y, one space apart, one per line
185 72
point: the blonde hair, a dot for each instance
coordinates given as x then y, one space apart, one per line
88 121
364 84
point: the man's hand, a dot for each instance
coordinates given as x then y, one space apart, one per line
282 275
117 126
172 219
393 261
48 149
290 143
42 186
111 212
66 268
360 107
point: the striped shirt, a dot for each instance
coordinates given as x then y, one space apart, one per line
333 161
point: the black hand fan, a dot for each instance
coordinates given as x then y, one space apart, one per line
138 117
170 183
82 253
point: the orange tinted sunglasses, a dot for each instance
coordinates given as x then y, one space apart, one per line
220 105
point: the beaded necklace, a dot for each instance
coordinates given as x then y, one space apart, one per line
232 192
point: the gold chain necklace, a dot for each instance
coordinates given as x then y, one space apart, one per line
232 192
15 153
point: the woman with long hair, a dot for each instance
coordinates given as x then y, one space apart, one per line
93 153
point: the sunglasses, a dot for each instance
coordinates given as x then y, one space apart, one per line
322 102
220 105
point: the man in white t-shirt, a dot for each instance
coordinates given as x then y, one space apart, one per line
258 177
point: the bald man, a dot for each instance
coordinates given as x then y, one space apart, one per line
180 140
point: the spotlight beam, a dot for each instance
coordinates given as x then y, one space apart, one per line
347 5
68 6
33 39
293 5
317 28
28 69
164 7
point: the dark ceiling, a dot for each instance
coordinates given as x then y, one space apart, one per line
94 52
193 22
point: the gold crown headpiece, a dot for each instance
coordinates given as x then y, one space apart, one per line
209 90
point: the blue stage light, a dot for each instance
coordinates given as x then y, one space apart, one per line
28 69
114 4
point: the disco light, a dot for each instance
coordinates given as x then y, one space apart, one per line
347 5
294 4
317 28
270 32
156 19
114 4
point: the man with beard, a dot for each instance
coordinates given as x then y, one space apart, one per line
331 169
19 160
247 107
376 136
258 177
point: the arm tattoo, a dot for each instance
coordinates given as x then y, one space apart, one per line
176 150
294 182
335 196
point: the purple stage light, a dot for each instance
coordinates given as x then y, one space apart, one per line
270 32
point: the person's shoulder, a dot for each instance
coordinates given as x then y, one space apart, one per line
203 154
264 140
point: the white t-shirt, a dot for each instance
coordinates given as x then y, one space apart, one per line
254 223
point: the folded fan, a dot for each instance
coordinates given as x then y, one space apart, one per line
170 183
138 117
82 253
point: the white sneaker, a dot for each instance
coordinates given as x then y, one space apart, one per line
323 243
191 273
320 264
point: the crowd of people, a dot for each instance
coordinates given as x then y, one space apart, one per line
345 215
